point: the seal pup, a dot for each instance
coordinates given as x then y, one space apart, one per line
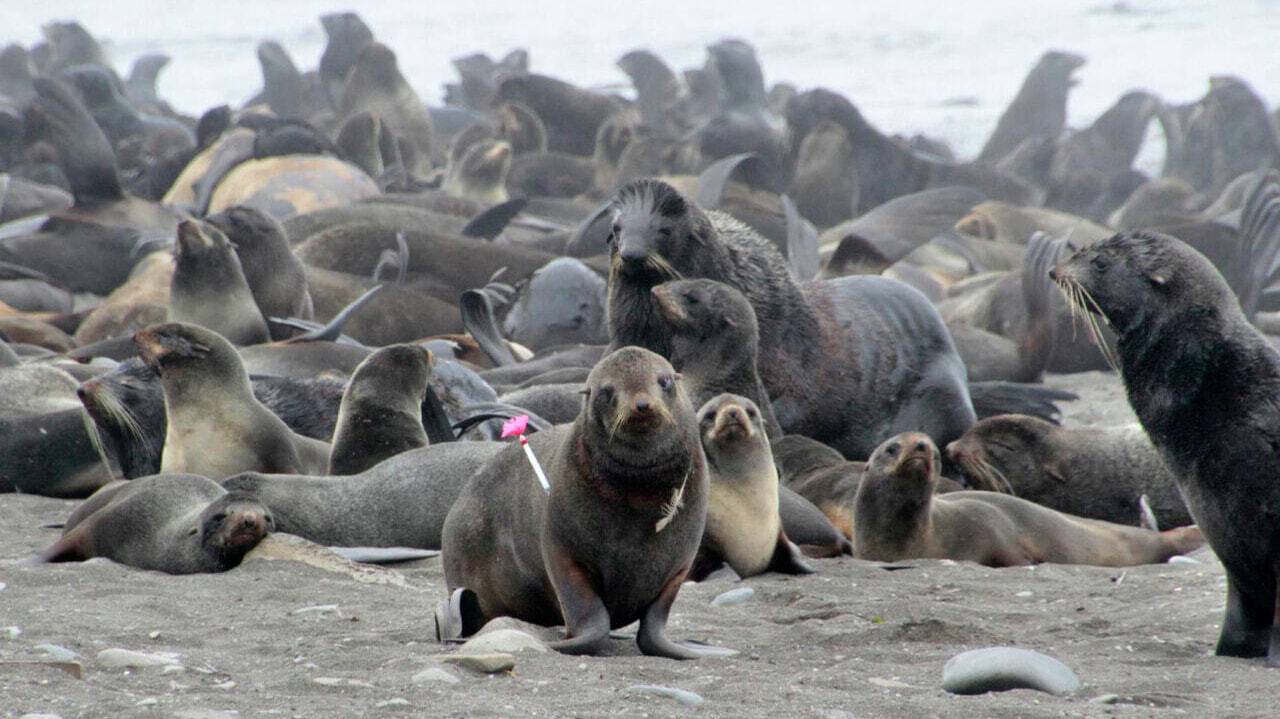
174 523
898 516
1203 383
381 412
215 426
617 534
1095 472
274 274
209 287
743 525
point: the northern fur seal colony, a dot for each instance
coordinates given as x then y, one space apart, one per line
1204 383
94 183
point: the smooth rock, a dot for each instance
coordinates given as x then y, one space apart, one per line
733 596
997 669
206 714
397 702
54 651
12 632
1105 699
684 697
500 641
1182 559
40 716
127 658
435 674
484 663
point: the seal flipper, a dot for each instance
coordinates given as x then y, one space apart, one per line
788 559
1257 266
714 179
332 332
1038 293
70 547
585 617
995 397
891 230
477 317
490 223
802 243
652 637
86 156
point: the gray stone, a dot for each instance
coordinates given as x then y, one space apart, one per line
40 716
733 596
397 702
1181 559
483 663
997 669
1105 699
129 659
507 641
435 674
684 697
54 651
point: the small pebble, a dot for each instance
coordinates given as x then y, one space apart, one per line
329 681
1025 594
1105 699
507 641
435 674
54 651
996 669
13 632
40 716
484 663
733 596
148 702
1181 559
680 695
127 658
320 608
397 702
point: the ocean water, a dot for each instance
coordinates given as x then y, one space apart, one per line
941 67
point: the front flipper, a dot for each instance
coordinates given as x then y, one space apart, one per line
1246 627
652 637
788 559
585 618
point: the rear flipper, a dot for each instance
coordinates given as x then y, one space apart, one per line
993 398
788 559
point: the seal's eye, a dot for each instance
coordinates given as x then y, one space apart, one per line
751 412
1100 263
690 298
664 231
667 383
892 450
606 394
220 517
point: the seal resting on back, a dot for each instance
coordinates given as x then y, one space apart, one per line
617 534
850 361
1205 384
175 523
898 515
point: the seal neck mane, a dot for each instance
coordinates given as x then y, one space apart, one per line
628 471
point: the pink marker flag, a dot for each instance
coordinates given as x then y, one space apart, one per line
516 426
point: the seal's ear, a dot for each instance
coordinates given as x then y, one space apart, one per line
585 391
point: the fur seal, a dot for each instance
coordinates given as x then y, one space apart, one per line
215 426
292 184
376 85
562 303
615 538
714 337
1040 107
1203 382
743 525
831 352
209 287
1095 472
174 523
275 275
401 502
899 516
381 414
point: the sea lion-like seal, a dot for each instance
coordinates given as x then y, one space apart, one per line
174 523
1040 107
1095 472
275 275
898 516
714 337
831 352
1203 382
401 502
743 525
375 84
209 287
381 414
215 426
617 534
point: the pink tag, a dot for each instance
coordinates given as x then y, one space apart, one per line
515 425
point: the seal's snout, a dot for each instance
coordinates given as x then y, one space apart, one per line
643 404
731 422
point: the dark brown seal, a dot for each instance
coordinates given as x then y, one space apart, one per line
898 516
1095 472
618 533
209 287
175 523
1204 383
381 413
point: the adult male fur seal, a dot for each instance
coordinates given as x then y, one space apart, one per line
615 537
1204 383
743 525
215 426
175 523
850 361
899 516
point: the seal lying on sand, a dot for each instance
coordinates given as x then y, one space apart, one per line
1204 383
175 523
615 537
898 516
